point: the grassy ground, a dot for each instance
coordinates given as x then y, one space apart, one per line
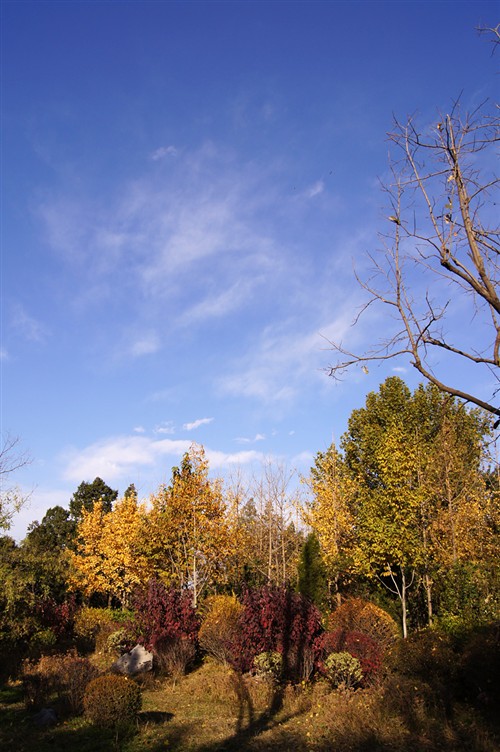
214 709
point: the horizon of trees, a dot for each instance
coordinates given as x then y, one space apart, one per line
403 512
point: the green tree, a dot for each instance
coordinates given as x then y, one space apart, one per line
44 553
131 492
313 582
86 496
419 503
55 532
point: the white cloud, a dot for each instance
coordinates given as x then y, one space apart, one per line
139 429
145 345
315 189
165 427
219 460
4 355
117 457
196 424
121 457
244 440
164 151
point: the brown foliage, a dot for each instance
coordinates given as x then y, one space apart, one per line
59 678
358 615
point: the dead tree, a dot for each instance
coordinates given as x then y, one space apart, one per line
438 270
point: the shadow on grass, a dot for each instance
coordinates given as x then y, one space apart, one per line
154 717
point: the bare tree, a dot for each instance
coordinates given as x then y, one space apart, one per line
438 270
12 458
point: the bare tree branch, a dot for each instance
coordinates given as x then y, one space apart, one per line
12 458
441 252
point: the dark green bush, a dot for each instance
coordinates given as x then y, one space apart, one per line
479 669
112 701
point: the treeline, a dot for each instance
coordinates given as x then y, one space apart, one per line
403 513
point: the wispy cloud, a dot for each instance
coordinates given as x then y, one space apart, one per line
315 189
139 429
206 214
27 326
166 428
164 151
197 424
145 345
244 440
4 355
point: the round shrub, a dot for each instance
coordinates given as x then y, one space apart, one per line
112 701
361 646
343 670
358 615
116 642
269 665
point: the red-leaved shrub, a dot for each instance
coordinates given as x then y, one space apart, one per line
59 617
359 645
166 623
276 619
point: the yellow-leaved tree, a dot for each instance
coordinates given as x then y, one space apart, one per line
188 535
108 559
329 513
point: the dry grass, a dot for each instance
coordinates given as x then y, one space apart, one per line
215 710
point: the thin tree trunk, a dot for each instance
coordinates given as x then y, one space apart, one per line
428 594
403 603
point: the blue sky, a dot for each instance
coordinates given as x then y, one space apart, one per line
186 187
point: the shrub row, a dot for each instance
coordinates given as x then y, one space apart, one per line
266 621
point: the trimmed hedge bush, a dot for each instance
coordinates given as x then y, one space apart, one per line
112 701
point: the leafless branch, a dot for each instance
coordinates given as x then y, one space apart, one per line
441 198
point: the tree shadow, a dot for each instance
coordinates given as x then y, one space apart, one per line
154 716
294 658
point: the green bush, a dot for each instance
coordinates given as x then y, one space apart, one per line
96 625
116 641
112 701
89 621
343 670
42 640
269 665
